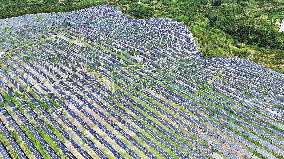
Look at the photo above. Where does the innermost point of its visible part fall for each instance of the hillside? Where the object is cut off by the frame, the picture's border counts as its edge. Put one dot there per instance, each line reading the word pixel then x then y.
pixel 236 28
pixel 93 83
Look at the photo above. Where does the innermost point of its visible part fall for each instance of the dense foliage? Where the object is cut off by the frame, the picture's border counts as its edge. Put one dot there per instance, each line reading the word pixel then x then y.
pixel 242 28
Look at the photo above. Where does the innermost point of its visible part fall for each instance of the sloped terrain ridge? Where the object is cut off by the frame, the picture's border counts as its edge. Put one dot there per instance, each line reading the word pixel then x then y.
pixel 94 84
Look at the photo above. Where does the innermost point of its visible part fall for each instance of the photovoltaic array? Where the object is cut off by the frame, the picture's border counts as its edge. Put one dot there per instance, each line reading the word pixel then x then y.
pixel 94 84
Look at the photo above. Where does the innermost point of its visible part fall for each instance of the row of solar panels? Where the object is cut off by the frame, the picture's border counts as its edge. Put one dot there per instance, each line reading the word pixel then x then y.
pixel 171 94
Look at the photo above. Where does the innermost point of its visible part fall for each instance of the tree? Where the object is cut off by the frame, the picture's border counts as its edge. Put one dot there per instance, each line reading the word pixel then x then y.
pixel 216 2
pixel 141 11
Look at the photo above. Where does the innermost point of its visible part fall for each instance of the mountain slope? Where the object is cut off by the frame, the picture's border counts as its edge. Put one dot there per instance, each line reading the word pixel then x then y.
pixel 94 84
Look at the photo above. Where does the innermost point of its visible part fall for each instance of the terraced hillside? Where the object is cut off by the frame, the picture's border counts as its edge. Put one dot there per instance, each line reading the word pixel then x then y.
pixel 94 84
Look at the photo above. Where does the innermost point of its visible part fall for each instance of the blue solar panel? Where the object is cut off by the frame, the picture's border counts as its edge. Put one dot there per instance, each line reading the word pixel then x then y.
pixel 148 75
pixel 1 98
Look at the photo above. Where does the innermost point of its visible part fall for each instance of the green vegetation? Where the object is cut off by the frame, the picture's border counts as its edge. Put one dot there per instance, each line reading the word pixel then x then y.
pixel 8 146
pixel 232 28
